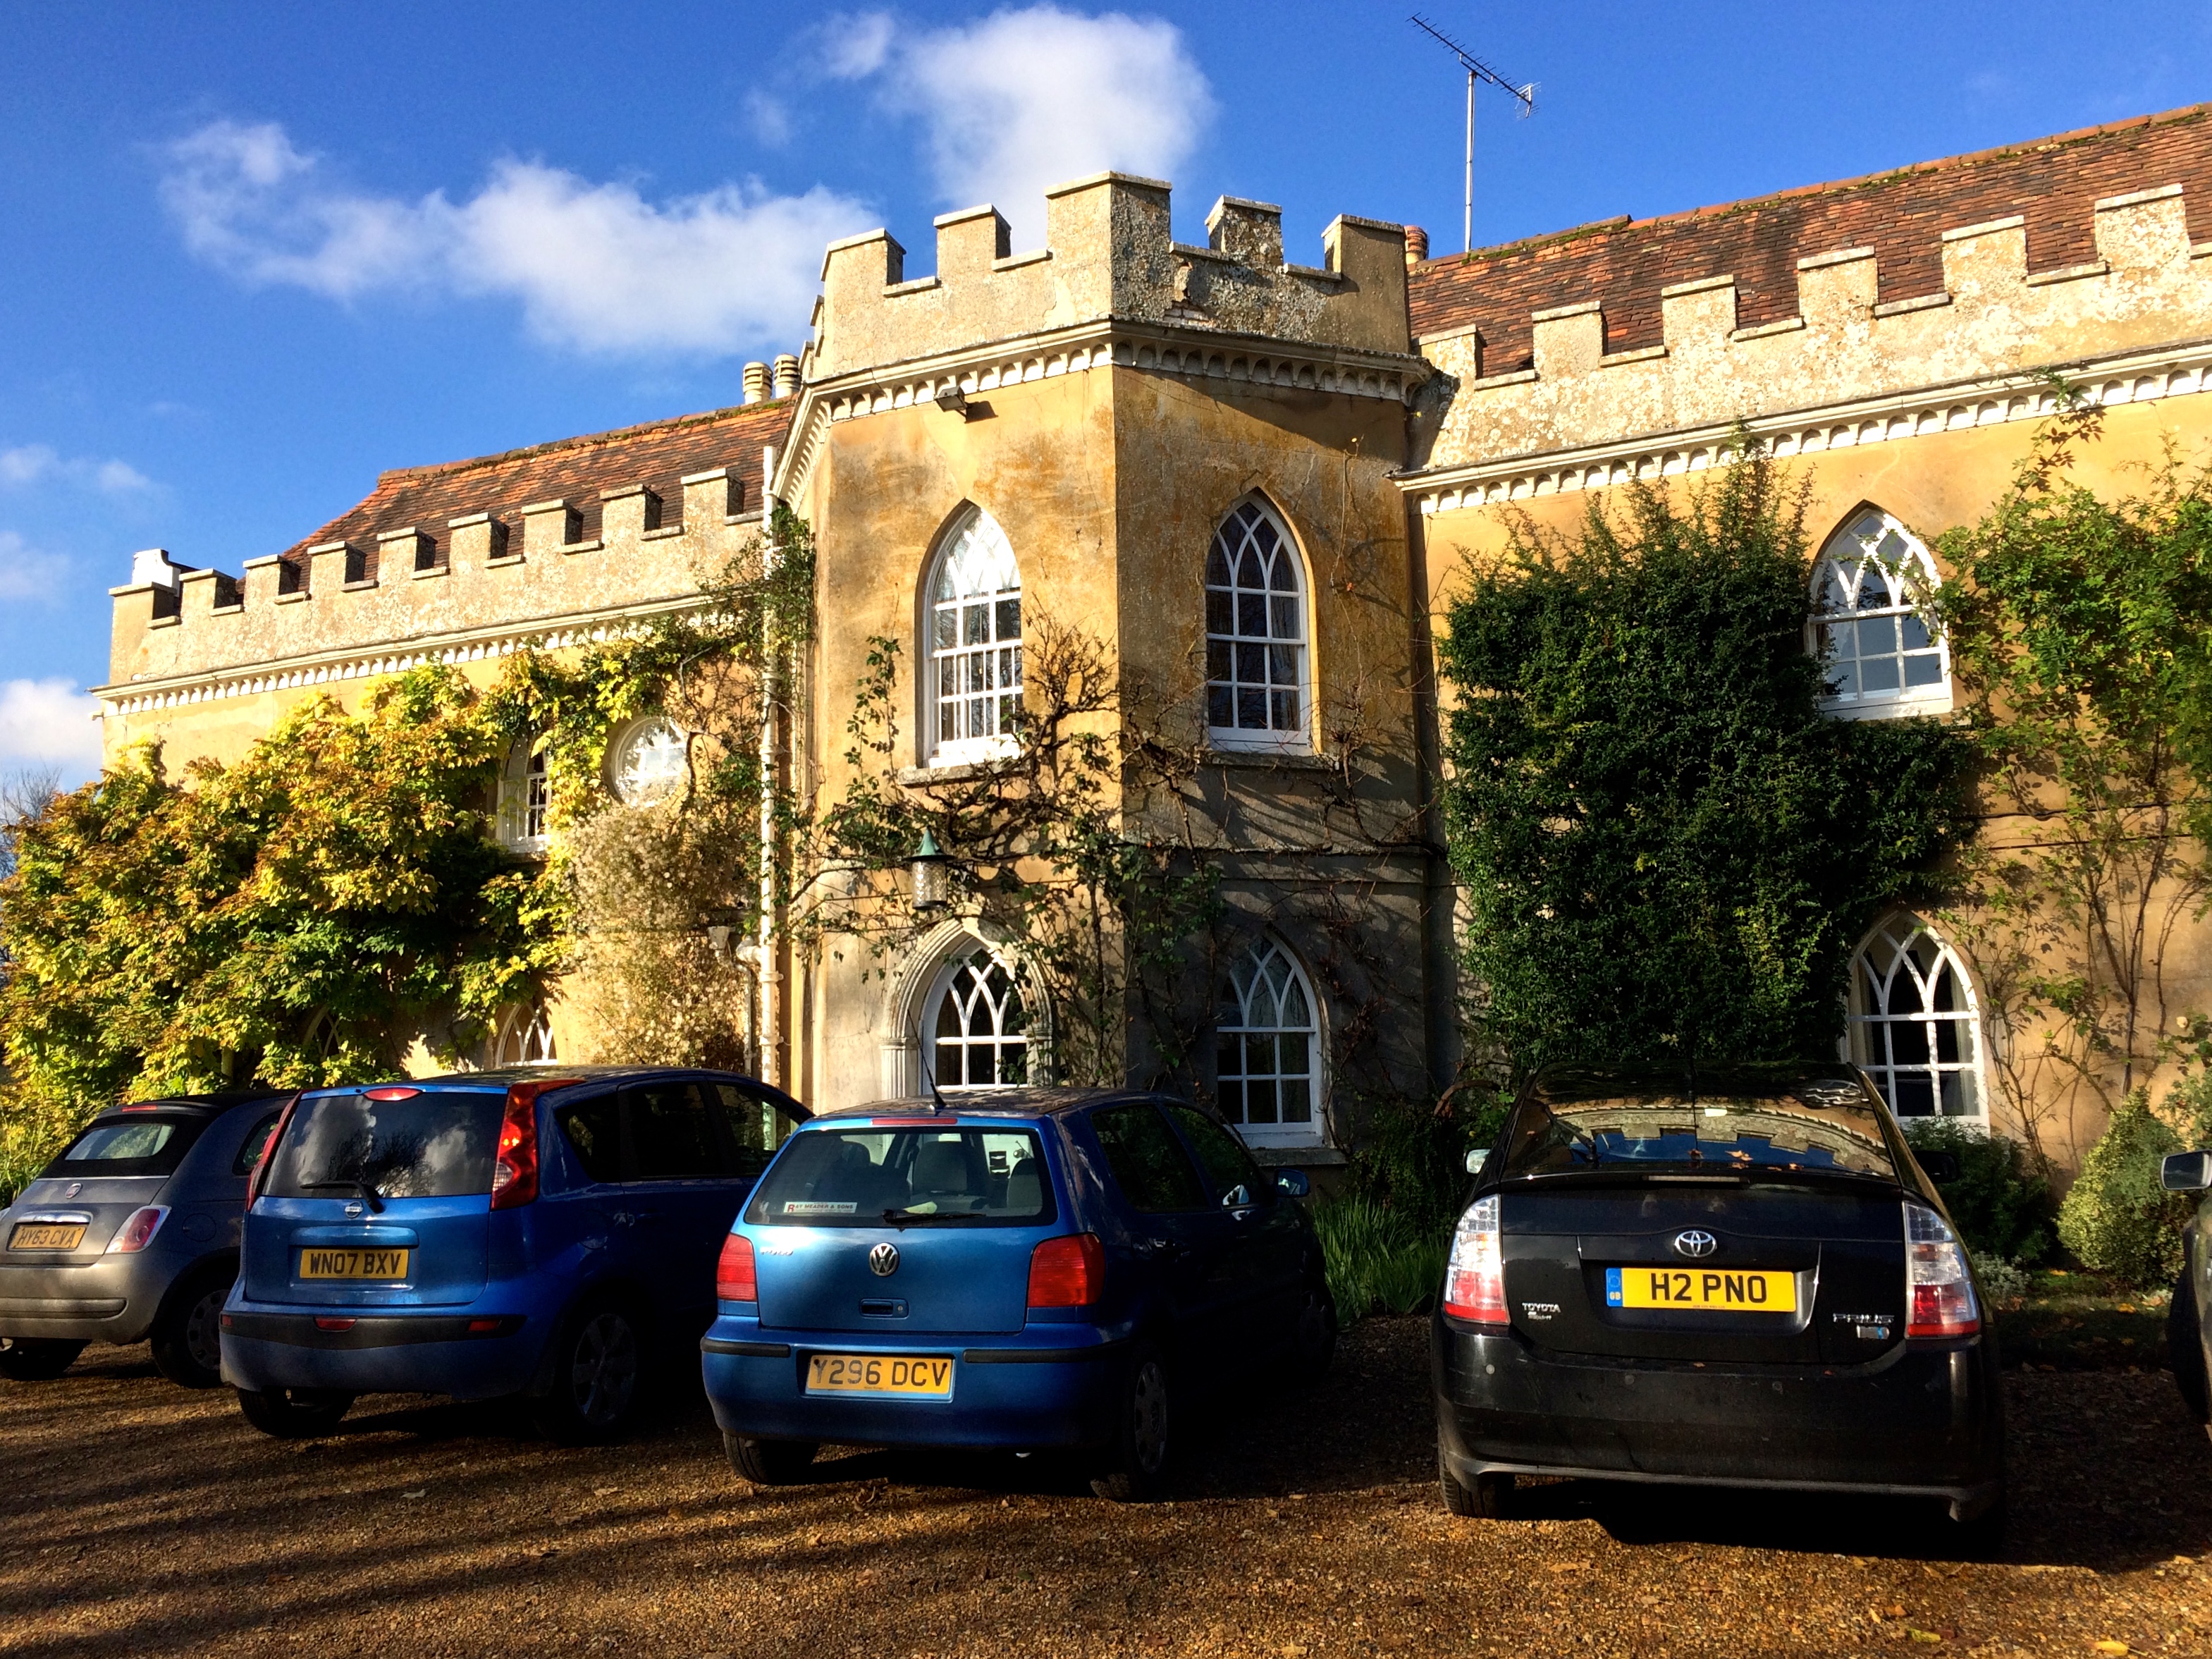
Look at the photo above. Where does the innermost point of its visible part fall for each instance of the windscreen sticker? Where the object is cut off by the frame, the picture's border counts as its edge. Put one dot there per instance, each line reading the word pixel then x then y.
pixel 814 1206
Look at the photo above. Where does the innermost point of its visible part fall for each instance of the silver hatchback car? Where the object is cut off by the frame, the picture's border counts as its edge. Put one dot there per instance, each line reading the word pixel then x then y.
pixel 133 1233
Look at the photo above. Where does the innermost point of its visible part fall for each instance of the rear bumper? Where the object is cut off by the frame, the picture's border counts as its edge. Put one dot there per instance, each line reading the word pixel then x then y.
pixel 1917 1421
pixel 113 1299
pixel 1044 1388
pixel 381 1353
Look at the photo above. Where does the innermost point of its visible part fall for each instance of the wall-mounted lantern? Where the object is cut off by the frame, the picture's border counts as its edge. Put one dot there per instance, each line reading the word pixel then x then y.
pixel 932 875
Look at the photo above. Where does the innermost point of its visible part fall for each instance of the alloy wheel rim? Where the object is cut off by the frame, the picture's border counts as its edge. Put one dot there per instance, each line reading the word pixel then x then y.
pixel 204 1330
pixel 606 1369
pixel 1148 1407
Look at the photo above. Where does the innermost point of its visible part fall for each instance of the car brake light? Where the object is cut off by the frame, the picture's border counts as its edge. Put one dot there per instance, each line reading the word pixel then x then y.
pixel 1474 1282
pixel 328 1324
pixel 514 1164
pixel 737 1278
pixel 1938 1288
pixel 1067 1271
pixel 260 1175
pixel 137 1229
pixel 391 1093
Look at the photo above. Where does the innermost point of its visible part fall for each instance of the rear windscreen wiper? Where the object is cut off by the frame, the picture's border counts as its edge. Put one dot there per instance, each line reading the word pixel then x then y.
pixel 369 1195
pixel 909 1218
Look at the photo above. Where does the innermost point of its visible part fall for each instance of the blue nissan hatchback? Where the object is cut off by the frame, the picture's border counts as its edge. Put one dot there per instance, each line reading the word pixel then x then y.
pixel 494 1233
pixel 1024 1270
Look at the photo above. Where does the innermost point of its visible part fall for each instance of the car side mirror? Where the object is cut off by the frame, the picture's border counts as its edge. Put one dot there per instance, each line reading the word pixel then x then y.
pixel 1293 1183
pixel 1938 1166
pixel 2186 1172
pixel 1476 1159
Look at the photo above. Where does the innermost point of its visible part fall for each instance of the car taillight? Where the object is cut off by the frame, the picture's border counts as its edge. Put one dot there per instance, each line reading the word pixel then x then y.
pixel 1067 1271
pixel 1474 1282
pixel 736 1279
pixel 515 1163
pixel 260 1176
pixel 1938 1288
pixel 137 1229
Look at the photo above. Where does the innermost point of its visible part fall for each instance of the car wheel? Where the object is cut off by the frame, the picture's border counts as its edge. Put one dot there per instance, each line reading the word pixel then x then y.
pixel 1316 1333
pixel 294 1413
pixel 2184 1347
pixel 768 1463
pixel 1485 1500
pixel 598 1379
pixel 1136 1460
pixel 188 1331
pixel 36 1359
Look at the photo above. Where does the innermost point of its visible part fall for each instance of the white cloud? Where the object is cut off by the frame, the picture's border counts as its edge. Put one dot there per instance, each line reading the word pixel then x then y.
pixel 1025 100
pixel 49 722
pixel 595 266
pixel 30 463
pixel 26 572
pixel 770 119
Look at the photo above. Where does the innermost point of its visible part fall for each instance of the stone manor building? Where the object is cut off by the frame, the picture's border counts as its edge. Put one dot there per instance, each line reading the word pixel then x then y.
pixel 1255 480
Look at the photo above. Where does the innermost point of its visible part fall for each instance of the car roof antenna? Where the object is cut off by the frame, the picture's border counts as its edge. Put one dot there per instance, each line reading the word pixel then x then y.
pixel 929 1073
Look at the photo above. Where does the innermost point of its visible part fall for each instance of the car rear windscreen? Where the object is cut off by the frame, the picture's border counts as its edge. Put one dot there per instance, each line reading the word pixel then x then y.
pixel 128 1146
pixel 1828 1126
pixel 863 1176
pixel 438 1144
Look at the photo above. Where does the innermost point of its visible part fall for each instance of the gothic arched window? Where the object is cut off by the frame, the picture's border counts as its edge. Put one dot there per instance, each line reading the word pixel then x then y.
pixel 526 1039
pixel 1914 1024
pixel 972 629
pixel 1267 1052
pixel 1257 690
pixel 526 797
pixel 977 1017
pixel 1869 626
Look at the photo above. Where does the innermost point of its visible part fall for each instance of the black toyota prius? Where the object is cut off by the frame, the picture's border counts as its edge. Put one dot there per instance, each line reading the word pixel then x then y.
pixel 1739 1280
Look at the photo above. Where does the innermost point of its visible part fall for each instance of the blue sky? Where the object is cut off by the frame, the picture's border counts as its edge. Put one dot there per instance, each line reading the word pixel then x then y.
pixel 252 254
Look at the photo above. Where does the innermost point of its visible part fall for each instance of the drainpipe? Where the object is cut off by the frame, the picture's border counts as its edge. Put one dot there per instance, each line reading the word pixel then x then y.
pixel 771 945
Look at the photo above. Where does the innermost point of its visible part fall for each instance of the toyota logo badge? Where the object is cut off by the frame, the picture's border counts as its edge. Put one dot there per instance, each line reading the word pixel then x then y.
pixel 1695 1244
pixel 882 1261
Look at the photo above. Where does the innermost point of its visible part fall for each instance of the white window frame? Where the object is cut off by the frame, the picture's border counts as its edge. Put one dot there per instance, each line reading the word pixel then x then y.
pixel 974 957
pixel 526 1038
pixel 974 550
pixel 526 797
pixel 1870 1043
pixel 1238 531
pixel 1235 997
pixel 1874 546
pixel 659 738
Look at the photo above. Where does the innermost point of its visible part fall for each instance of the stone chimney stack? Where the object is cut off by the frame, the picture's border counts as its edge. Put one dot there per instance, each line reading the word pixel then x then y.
pixel 1417 245
pixel 786 375
pixel 755 383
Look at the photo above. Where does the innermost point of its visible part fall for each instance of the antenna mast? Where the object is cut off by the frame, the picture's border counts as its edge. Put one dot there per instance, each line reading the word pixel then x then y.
pixel 1476 71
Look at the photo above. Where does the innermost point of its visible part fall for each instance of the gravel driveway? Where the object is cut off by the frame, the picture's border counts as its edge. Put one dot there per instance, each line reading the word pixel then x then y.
pixel 138 1519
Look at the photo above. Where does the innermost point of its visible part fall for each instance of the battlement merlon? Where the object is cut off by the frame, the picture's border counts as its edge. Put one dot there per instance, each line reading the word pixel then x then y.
pixel 1108 253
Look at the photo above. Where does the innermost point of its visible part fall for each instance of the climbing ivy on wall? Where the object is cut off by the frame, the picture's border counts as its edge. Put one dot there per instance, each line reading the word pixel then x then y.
pixel 1667 851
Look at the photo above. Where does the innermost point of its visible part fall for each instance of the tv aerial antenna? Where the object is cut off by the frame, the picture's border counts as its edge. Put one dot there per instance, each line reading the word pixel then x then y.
pixel 1525 96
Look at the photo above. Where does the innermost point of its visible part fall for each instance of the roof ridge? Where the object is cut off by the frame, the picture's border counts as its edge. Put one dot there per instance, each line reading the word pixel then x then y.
pixel 579 441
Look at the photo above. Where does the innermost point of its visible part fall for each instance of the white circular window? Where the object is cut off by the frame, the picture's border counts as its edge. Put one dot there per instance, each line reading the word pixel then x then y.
pixel 647 761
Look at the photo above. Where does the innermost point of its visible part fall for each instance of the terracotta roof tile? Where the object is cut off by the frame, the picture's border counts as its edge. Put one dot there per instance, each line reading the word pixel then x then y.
pixel 2055 182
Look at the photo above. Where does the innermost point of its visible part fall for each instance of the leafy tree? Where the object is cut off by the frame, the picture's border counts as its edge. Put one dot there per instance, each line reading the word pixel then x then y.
pixel 1667 851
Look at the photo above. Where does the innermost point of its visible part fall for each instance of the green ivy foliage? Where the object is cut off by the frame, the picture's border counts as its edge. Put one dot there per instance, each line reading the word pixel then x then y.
pixel 1666 850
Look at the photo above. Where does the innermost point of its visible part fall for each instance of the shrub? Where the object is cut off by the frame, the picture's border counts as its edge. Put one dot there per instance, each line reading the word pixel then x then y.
pixel 2000 1277
pixel 1377 1261
pixel 2117 1218
pixel 1999 1206
pixel 1409 1156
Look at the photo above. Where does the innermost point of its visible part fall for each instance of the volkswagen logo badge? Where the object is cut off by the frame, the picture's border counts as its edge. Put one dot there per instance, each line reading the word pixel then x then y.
pixel 882 1261
pixel 1695 1244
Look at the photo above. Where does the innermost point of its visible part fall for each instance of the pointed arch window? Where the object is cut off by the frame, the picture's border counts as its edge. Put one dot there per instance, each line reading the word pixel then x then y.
pixel 973 639
pixel 526 1039
pixel 1267 1048
pixel 1914 1022
pixel 1869 626
pixel 1257 678
pixel 977 1016
pixel 526 797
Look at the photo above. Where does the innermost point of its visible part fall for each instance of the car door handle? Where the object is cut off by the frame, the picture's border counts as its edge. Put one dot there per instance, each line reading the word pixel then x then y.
pixel 1161 1249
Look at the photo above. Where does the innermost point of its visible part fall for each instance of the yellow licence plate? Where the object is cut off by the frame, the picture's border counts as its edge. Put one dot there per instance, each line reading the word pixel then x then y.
pixel 354 1264
pixel 47 1236
pixel 1705 1290
pixel 861 1373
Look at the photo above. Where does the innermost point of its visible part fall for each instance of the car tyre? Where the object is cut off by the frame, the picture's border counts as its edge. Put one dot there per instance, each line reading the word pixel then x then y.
pixel 597 1383
pixel 1317 1335
pixel 770 1462
pixel 36 1359
pixel 1485 1500
pixel 1136 1465
pixel 187 1333
pixel 294 1413
pixel 2184 1347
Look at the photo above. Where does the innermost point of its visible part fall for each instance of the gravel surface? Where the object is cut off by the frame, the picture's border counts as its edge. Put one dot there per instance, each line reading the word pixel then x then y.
pixel 140 1519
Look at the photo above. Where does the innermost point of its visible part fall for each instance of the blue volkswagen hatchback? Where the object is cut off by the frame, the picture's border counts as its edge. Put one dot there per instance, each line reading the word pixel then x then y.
pixel 1024 1270
pixel 493 1233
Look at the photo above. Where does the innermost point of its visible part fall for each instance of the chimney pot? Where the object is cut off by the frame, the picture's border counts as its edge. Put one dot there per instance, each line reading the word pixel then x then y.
pixel 1417 245
pixel 786 375
pixel 755 382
